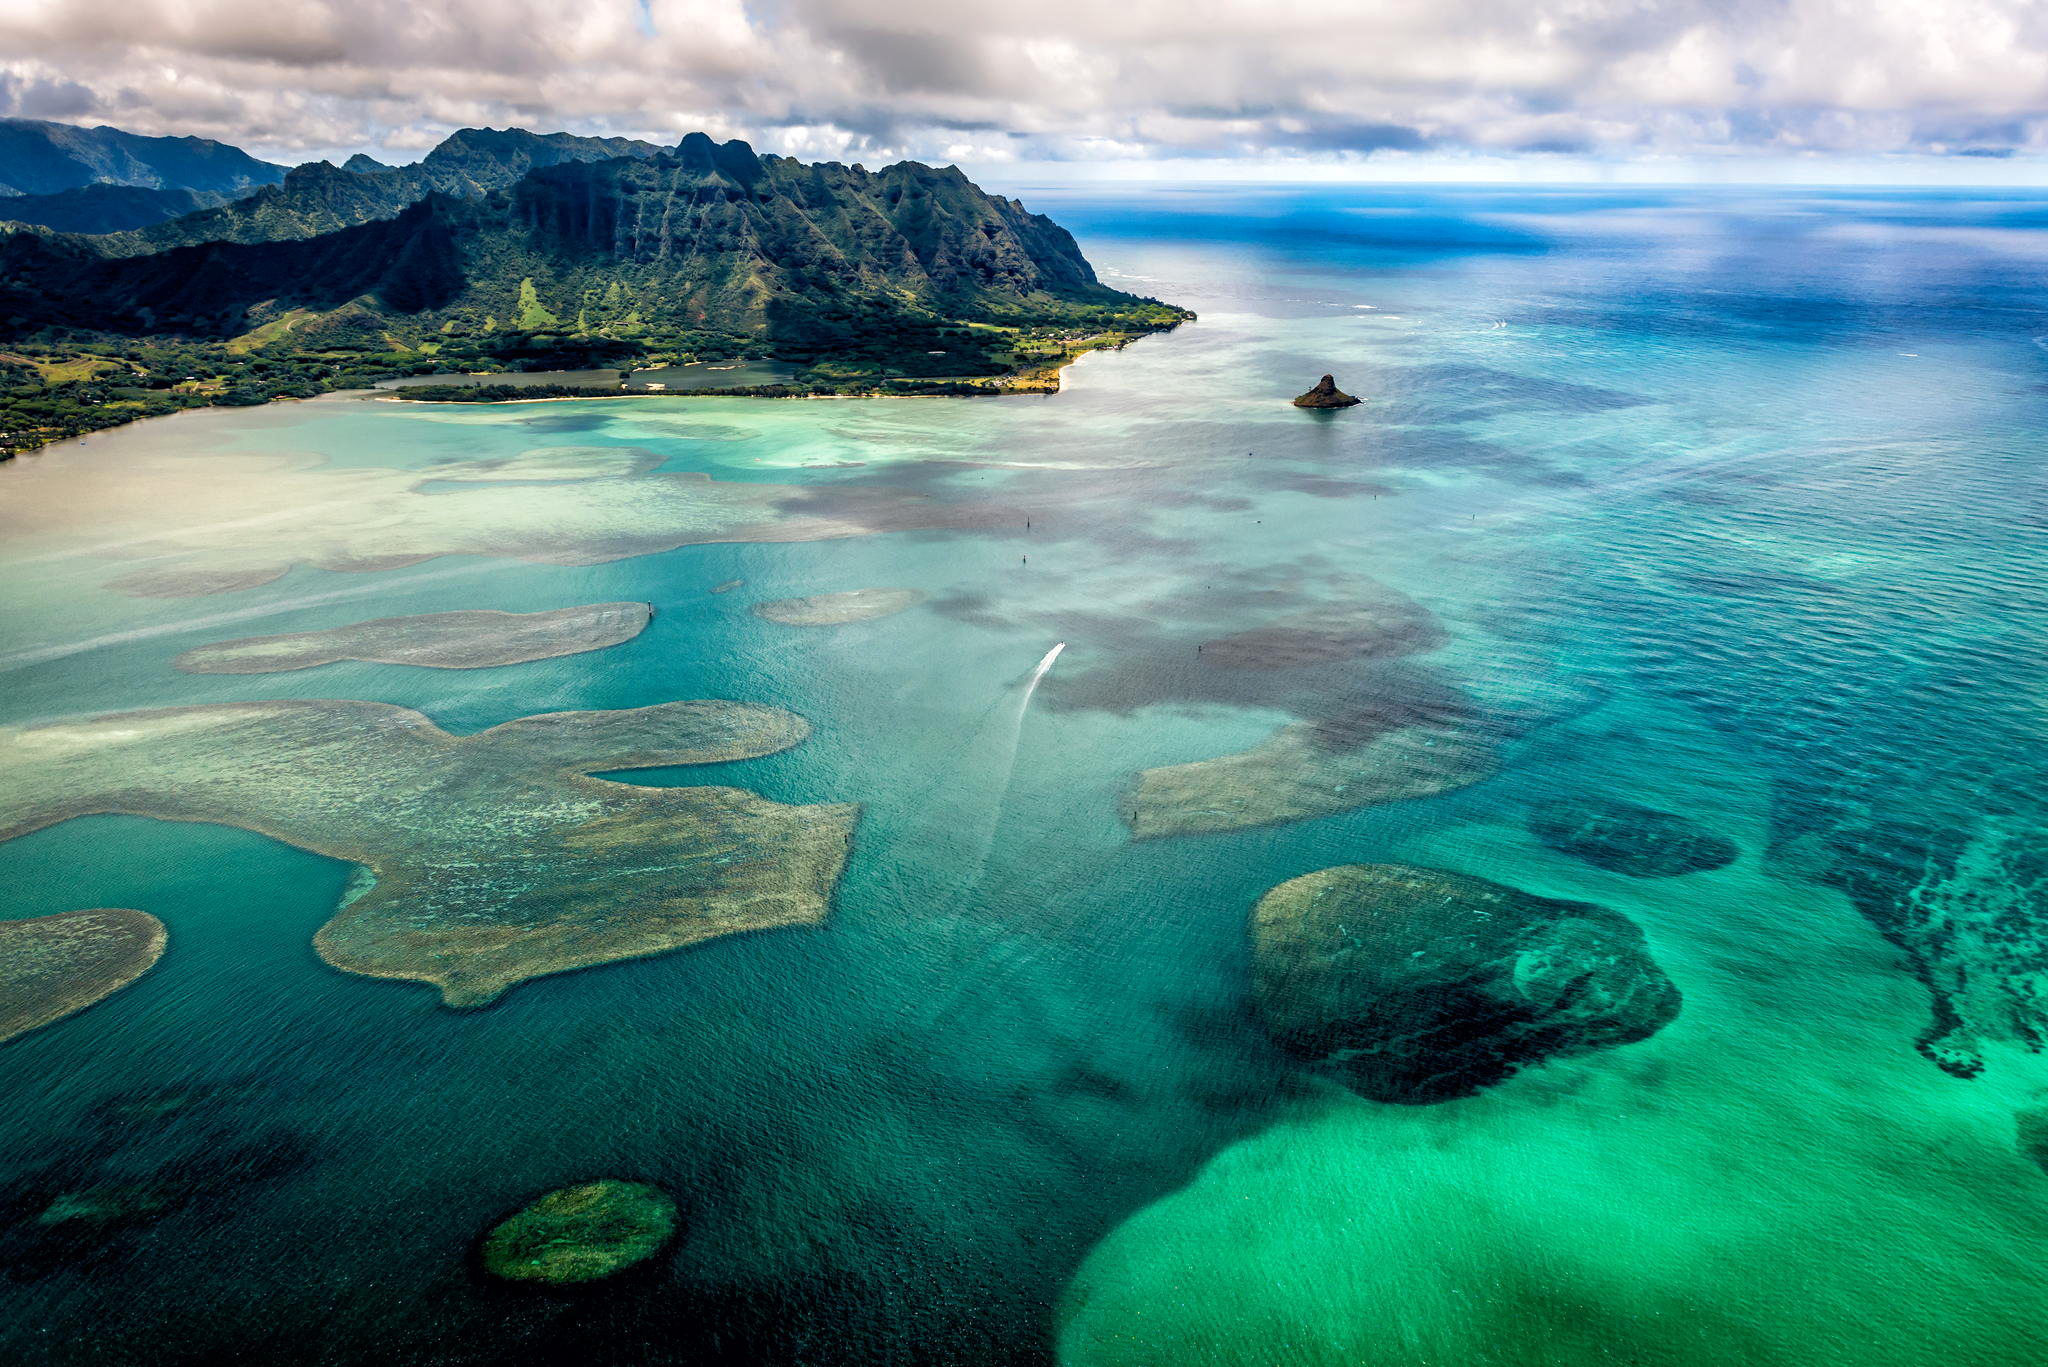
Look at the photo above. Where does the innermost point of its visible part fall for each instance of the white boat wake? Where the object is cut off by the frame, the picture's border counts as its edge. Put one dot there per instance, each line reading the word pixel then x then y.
pixel 1002 758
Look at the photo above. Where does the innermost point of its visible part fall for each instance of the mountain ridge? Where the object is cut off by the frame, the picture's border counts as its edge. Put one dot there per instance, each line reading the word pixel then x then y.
pixel 38 157
pixel 709 237
pixel 106 208
pixel 318 197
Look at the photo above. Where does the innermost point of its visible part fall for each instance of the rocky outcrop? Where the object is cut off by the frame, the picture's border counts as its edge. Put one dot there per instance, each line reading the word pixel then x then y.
pixel 581 1233
pixel 1621 837
pixel 1325 395
pixel 1418 985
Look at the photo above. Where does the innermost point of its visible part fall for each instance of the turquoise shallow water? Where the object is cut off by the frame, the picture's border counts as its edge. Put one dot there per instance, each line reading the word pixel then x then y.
pixel 1729 505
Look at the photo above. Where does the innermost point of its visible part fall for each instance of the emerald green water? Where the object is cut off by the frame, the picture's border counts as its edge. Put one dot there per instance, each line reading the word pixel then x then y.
pixel 1727 506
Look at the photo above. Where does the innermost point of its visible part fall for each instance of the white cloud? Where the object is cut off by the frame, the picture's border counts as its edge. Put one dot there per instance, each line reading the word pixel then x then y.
pixel 1318 79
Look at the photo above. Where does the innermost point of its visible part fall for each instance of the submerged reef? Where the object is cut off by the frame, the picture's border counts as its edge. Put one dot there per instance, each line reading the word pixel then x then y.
pixel 51 966
pixel 548 464
pixel 1964 905
pixel 172 529
pixel 1306 642
pixel 1308 769
pixel 1622 837
pixel 837 609
pixel 487 859
pixel 2031 1133
pixel 94 1196
pixel 1381 626
pixel 1418 985
pixel 1328 648
pixel 581 1233
pixel 473 639
pixel 1325 395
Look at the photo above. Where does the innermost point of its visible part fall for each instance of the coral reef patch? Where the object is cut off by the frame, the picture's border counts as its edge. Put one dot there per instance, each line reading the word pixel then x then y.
pixel 487 859
pixel 52 966
pixel 1963 905
pixel 1309 769
pixel 1622 837
pixel 1419 985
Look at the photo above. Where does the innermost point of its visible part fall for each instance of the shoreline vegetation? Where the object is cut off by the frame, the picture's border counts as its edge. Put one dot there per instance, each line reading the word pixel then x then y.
pixel 1039 377
pixel 54 393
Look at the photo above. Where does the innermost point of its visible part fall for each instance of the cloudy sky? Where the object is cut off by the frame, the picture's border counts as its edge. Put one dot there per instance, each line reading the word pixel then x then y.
pixel 1294 87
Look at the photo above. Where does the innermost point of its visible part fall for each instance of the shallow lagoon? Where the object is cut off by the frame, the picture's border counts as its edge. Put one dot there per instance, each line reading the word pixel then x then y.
pixel 1725 506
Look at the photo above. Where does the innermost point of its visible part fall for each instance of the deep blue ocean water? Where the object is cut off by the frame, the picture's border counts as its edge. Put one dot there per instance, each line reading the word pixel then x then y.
pixel 1729 504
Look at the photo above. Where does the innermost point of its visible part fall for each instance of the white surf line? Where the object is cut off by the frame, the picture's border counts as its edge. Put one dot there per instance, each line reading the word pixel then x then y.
pixel 18 659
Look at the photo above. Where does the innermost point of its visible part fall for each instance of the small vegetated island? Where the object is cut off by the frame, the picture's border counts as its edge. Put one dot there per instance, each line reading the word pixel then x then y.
pixel 512 250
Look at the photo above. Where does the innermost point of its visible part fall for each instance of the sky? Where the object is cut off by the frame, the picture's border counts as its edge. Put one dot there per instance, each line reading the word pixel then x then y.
pixel 1855 91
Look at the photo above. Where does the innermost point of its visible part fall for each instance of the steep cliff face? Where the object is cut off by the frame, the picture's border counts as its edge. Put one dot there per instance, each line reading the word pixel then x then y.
pixel 718 232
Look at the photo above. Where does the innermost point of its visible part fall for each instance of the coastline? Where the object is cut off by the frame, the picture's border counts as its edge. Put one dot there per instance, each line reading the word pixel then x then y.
pixel 1040 382
pixel 1052 385
pixel 386 395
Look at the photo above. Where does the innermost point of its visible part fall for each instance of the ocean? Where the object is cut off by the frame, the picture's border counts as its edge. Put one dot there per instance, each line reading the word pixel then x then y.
pixel 1726 505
